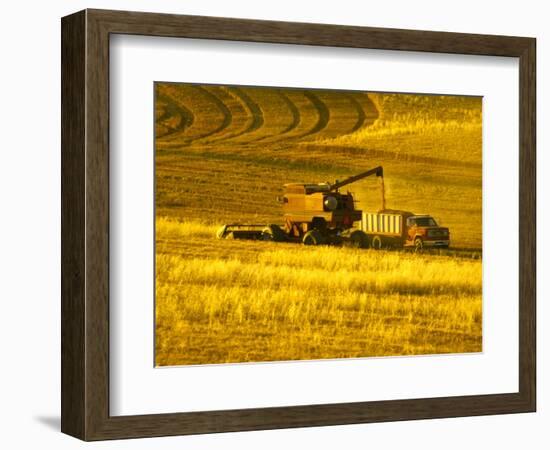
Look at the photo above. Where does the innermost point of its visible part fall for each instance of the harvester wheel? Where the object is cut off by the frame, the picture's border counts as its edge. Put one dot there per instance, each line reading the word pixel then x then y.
pixel 313 237
pixel 376 243
pixel 418 245
pixel 358 239
pixel 273 233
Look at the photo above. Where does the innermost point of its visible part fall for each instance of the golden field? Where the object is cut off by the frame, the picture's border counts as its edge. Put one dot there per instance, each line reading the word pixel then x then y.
pixel 222 156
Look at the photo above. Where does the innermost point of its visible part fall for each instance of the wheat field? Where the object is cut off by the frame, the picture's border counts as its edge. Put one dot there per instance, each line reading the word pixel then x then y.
pixel 222 156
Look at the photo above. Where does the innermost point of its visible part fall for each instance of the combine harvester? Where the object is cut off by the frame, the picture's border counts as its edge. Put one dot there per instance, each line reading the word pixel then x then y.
pixel 319 214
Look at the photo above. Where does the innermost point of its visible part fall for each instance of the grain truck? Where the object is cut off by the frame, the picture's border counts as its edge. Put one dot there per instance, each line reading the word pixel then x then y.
pixel 395 228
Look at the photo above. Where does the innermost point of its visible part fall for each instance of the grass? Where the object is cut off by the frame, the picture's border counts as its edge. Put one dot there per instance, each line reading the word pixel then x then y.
pixel 285 302
pixel 223 155
pixel 411 125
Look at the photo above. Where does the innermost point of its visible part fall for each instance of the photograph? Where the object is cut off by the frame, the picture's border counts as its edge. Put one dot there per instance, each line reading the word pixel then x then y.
pixel 312 224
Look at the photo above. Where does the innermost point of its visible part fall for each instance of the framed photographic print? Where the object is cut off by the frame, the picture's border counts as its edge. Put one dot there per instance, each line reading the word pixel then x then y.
pixel 272 225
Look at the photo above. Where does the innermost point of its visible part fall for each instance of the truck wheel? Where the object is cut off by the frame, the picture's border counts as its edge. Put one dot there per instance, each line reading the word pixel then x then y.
pixel 358 239
pixel 418 245
pixel 376 243
pixel 273 233
pixel 313 237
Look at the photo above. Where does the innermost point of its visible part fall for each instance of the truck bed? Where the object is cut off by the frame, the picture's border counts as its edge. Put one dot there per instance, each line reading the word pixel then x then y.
pixel 384 224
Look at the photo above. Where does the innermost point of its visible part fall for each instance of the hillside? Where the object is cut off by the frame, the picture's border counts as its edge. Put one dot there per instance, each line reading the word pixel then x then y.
pixel 222 156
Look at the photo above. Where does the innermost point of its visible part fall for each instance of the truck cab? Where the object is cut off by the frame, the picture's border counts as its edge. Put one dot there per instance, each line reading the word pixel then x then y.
pixel 422 230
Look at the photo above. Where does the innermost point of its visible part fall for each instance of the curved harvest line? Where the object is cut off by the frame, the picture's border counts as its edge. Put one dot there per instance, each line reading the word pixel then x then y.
pixel 296 118
pixel 361 116
pixel 231 130
pixel 293 110
pixel 322 110
pixel 174 139
pixel 253 108
pixel 227 116
pixel 172 109
pixel 253 111
pixel 372 109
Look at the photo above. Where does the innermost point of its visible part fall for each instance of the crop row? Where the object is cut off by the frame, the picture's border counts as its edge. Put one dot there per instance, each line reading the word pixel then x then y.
pixel 209 114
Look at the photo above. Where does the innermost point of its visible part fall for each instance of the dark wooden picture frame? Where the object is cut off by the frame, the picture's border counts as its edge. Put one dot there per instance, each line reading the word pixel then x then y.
pixel 85 224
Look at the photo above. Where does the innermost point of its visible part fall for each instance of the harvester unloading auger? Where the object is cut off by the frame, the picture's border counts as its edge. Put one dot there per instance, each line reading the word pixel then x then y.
pixel 314 214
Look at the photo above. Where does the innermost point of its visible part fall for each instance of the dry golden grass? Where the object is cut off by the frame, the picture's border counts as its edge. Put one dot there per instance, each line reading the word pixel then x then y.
pixel 410 126
pixel 285 302
pixel 222 156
